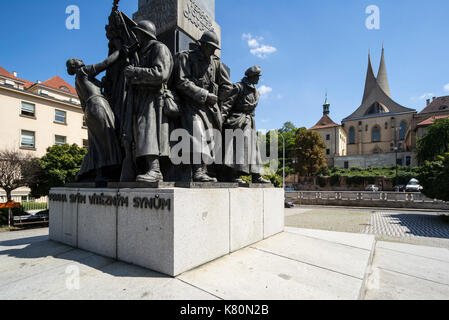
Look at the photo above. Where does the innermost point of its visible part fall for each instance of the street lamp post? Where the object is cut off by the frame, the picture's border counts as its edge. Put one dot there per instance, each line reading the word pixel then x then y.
pixel 283 160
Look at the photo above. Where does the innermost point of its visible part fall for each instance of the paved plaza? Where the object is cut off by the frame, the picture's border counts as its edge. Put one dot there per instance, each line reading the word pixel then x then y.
pixel 409 224
pixel 297 264
pixel 405 226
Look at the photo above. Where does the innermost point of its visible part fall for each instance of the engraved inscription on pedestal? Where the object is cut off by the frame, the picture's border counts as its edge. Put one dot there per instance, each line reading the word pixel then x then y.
pixel 192 16
pixel 163 13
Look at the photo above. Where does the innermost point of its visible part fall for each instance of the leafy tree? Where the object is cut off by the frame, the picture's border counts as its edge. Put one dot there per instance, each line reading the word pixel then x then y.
pixel 59 166
pixel 17 169
pixel 309 152
pixel 288 131
pixel 434 177
pixel 435 142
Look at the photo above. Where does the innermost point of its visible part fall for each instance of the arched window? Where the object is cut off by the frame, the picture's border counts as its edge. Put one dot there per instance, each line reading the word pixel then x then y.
pixel 352 135
pixel 403 130
pixel 376 108
pixel 375 134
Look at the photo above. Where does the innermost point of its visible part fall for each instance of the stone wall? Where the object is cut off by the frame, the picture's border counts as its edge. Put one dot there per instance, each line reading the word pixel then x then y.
pixel 367 199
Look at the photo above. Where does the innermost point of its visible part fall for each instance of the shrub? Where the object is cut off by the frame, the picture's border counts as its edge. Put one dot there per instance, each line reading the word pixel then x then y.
pixel 322 182
pixel 335 180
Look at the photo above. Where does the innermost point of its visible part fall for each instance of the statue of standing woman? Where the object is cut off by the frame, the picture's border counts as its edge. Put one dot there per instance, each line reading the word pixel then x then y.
pixel 104 157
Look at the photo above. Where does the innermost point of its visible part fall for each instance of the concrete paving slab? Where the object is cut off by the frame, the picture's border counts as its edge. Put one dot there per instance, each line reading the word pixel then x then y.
pixel 388 285
pixel 50 283
pixel 256 275
pixel 30 233
pixel 127 282
pixel 350 239
pixel 33 268
pixel 33 252
pixel 422 251
pixel 411 265
pixel 333 256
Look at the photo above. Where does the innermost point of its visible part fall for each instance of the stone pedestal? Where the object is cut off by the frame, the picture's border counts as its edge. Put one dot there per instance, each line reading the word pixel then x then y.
pixel 169 230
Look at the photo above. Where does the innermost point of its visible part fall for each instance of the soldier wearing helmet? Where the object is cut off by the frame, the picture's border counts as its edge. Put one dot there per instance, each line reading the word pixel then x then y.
pixel 239 114
pixel 149 80
pixel 203 83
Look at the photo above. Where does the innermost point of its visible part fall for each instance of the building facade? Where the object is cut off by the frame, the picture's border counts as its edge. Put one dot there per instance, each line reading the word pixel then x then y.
pixel 37 115
pixel 377 130
pixel 333 135
pixel 437 108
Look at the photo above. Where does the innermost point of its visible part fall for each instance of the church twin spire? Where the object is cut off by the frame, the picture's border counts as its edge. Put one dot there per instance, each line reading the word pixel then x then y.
pixel 382 78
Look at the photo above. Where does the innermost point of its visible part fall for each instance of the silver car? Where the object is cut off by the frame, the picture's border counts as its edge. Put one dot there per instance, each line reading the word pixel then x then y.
pixel 413 186
pixel 372 188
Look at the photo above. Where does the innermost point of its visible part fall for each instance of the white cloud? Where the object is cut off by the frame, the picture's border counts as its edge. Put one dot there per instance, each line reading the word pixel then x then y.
pixel 264 91
pixel 446 87
pixel 263 51
pixel 257 48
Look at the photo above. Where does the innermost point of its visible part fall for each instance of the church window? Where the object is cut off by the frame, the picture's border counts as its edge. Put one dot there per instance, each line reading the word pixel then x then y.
pixel 375 134
pixel 403 130
pixel 352 135
pixel 376 108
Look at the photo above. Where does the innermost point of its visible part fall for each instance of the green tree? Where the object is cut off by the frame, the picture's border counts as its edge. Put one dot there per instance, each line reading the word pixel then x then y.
pixel 288 131
pixel 434 177
pixel 59 166
pixel 309 152
pixel 435 142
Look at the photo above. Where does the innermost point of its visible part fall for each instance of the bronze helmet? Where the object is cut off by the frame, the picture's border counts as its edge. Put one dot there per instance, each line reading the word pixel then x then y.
pixel 211 38
pixel 147 27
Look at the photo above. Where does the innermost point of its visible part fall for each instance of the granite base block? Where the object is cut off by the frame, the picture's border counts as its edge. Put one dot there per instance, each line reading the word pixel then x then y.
pixel 171 230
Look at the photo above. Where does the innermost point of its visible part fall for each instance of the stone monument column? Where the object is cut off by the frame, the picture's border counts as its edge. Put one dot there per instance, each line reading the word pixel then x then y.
pixel 179 22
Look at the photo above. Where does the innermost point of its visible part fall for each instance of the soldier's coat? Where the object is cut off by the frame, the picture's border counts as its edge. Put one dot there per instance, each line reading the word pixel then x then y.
pixel 152 127
pixel 195 77
pixel 239 111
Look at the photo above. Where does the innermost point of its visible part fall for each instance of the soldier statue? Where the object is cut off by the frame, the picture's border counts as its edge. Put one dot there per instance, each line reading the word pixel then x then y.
pixel 203 83
pixel 149 80
pixel 239 112
pixel 104 152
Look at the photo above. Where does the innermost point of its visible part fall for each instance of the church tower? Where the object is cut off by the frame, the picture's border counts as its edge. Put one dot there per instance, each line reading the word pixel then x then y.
pixel 326 107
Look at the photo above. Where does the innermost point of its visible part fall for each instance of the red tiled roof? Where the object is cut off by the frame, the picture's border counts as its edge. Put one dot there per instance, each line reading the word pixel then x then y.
pixel 325 122
pixel 6 74
pixel 58 83
pixel 431 120
pixel 55 82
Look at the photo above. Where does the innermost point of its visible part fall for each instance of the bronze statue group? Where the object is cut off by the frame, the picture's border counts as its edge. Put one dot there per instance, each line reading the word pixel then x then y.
pixel 147 93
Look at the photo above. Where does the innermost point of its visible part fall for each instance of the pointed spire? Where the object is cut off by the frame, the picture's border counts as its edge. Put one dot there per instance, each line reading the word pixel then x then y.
pixel 371 81
pixel 382 77
pixel 326 106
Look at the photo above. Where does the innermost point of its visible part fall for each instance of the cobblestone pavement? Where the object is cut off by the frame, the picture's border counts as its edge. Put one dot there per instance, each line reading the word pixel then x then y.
pixel 407 225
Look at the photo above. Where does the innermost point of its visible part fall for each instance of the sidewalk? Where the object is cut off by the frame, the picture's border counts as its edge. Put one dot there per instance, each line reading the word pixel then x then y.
pixel 295 265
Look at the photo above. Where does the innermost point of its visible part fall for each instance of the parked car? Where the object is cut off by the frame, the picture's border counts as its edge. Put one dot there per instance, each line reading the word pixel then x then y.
pixel 372 188
pixel 289 189
pixel 400 188
pixel 289 204
pixel 413 186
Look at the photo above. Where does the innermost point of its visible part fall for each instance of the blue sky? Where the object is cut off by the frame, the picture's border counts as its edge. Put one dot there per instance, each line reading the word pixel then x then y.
pixel 314 45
